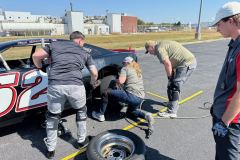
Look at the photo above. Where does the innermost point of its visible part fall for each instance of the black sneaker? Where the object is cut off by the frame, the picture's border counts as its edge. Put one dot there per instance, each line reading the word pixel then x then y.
pixel 50 154
pixel 85 143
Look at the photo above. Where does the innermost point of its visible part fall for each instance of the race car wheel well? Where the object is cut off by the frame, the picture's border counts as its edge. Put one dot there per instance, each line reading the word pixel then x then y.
pixel 107 71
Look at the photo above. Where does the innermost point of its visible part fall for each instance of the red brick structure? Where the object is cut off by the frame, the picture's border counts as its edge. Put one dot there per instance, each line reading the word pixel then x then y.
pixel 129 24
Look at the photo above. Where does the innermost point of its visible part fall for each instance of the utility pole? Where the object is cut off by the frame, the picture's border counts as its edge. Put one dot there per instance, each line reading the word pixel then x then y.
pixel 71 6
pixel 198 29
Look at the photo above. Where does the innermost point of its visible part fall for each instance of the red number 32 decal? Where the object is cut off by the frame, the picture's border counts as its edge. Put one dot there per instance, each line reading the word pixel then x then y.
pixel 33 95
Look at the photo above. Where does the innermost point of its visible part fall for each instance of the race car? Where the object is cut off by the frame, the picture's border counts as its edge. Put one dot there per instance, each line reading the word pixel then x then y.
pixel 23 87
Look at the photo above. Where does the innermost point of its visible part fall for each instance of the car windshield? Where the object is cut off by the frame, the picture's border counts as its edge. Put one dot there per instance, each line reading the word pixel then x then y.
pixel 94 50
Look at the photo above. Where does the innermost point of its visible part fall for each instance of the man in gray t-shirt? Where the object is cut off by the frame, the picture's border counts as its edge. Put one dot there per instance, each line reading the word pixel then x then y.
pixel 68 58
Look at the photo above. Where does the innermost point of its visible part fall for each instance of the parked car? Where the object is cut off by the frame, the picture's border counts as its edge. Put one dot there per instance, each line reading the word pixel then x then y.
pixel 23 88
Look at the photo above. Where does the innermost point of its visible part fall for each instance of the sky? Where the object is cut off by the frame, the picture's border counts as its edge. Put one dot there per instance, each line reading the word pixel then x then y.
pixel 157 11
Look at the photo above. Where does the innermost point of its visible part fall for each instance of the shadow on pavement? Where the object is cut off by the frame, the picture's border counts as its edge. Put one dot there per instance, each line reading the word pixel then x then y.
pixel 155 154
pixel 148 105
pixel 30 129
pixel 151 154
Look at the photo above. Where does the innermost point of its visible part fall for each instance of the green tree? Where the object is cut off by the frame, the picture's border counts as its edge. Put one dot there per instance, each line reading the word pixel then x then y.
pixel 140 22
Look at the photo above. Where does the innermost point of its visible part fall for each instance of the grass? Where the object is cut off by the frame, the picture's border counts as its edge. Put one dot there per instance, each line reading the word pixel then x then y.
pixel 134 41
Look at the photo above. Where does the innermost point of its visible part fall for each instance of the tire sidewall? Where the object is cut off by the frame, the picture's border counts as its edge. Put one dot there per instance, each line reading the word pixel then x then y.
pixel 138 153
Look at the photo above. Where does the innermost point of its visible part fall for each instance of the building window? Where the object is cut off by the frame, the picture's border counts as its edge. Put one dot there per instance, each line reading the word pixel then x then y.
pixel 18 17
pixel 10 17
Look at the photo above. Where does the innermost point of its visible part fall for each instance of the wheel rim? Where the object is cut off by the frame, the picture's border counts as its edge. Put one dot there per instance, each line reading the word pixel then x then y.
pixel 115 147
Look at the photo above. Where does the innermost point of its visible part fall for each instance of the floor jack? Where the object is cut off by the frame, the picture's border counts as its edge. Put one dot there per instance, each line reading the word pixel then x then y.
pixel 63 131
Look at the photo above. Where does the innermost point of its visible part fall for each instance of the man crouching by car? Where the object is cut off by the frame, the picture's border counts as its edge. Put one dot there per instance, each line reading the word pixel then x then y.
pixel 68 58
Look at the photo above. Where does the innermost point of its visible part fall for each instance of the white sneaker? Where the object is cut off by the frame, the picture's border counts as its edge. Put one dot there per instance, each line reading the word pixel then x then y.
pixel 98 116
pixel 149 118
pixel 167 114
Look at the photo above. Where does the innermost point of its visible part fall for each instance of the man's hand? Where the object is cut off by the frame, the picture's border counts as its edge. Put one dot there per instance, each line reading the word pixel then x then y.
pixel 95 84
pixel 220 129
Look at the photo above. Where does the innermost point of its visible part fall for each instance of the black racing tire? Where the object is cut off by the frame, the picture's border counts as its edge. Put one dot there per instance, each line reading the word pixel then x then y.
pixel 105 83
pixel 113 106
pixel 116 144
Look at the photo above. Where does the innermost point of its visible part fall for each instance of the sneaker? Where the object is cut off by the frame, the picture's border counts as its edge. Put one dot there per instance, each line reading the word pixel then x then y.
pixel 149 118
pixel 50 154
pixel 98 116
pixel 84 143
pixel 167 114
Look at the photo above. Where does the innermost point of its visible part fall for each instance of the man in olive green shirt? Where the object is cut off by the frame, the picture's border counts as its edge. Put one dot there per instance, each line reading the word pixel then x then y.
pixel 179 64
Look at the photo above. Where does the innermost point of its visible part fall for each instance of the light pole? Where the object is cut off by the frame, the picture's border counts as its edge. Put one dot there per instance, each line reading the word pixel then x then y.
pixel 198 29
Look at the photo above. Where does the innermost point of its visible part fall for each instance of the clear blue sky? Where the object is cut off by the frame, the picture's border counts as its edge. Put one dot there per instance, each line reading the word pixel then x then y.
pixel 157 11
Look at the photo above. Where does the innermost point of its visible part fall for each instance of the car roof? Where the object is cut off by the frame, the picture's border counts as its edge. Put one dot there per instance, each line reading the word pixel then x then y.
pixel 26 42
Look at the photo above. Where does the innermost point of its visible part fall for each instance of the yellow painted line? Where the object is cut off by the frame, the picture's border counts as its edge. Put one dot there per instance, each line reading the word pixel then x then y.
pixel 162 110
pixel 190 97
pixel 139 122
pixel 156 95
pixel 75 154
pixel 142 120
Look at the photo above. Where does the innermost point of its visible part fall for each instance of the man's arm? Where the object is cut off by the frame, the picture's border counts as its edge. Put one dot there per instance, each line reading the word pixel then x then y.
pixel 38 56
pixel 168 67
pixel 233 108
pixel 94 73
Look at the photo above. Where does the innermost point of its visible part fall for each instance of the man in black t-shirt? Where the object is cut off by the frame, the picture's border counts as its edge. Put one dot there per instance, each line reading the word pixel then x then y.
pixel 68 58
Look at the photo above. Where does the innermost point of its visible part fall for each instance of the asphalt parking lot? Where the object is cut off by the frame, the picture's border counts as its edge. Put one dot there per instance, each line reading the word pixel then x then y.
pixel 181 139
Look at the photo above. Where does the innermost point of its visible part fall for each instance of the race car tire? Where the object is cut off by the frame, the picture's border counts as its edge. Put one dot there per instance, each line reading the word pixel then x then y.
pixel 105 83
pixel 116 144
pixel 113 106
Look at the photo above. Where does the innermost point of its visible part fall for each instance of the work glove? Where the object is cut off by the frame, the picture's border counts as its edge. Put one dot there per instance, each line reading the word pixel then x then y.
pixel 220 129
pixel 171 78
pixel 170 81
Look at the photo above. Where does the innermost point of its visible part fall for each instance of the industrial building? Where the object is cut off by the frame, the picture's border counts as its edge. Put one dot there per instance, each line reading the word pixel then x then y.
pixel 13 23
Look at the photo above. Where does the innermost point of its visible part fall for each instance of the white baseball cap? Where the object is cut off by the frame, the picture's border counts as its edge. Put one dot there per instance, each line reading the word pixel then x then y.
pixel 128 59
pixel 227 10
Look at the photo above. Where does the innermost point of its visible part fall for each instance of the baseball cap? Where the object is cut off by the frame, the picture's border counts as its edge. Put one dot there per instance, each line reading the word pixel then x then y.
pixel 147 44
pixel 227 10
pixel 128 59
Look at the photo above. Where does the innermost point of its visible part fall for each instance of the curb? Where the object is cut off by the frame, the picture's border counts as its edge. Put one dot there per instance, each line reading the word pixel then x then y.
pixel 186 43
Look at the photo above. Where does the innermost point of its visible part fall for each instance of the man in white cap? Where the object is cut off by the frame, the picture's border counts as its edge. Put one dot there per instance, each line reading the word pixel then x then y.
pixel 179 63
pixel 226 106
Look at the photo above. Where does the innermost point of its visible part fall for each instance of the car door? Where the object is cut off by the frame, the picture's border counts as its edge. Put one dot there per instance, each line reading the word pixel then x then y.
pixel 22 87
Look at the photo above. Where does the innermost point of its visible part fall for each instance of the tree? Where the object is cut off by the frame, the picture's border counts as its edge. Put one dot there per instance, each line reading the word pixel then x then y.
pixel 140 22
pixel 178 24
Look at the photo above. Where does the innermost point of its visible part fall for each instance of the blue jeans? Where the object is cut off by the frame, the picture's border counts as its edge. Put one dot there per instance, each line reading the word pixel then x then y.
pixel 228 147
pixel 125 97
pixel 180 77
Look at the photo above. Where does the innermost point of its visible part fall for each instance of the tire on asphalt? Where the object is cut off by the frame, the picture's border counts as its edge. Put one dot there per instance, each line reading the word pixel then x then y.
pixel 116 144
pixel 113 106
pixel 105 83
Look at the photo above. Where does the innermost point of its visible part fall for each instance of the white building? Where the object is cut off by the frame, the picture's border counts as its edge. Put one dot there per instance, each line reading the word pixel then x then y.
pixel 96 29
pixel 74 21
pixel 24 23
pixel 114 22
